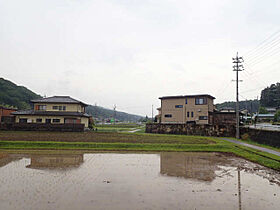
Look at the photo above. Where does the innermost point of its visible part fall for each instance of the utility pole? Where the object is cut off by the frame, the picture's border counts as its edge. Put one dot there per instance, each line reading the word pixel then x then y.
pixel 237 67
pixel 152 113
pixel 239 188
pixel 115 113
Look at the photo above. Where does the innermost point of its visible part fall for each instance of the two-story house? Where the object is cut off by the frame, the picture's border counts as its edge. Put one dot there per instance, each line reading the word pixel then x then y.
pixel 187 108
pixel 55 110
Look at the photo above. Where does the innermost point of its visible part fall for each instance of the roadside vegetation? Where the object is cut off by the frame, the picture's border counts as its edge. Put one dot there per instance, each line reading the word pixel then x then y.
pixel 113 141
pixel 249 141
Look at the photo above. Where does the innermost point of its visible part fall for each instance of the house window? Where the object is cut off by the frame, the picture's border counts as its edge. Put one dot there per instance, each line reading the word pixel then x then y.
pixel 178 106
pixel 203 117
pixel 59 108
pixel 23 120
pixel 48 120
pixel 38 120
pixel 188 114
pixel 168 115
pixel 72 120
pixel 56 120
pixel 40 107
pixel 186 101
pixel 200 101
pixel 192 114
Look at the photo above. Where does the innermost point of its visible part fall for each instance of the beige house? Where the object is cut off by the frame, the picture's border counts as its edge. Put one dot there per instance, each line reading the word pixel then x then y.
pixel 54 110
pixel 186 109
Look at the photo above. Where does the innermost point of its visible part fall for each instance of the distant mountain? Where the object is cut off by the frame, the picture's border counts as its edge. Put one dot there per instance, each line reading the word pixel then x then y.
pixel 15 96
pixel 12 95
pixel 251 105
pixel 103 113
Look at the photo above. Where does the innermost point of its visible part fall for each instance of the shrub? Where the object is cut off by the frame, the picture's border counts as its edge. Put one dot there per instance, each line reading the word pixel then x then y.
pixel 245 136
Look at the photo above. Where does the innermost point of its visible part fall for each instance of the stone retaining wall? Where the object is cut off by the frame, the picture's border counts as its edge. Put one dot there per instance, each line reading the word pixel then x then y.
pixel 191 129
pixel 267 137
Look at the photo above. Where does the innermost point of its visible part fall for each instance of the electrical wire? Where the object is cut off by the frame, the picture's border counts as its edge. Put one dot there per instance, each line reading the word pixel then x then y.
pixel 269 46
pixel 259 45
pixel 268 56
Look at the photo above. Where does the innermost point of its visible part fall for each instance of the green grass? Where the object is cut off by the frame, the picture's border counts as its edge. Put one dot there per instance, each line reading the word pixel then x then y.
pixel 261 145
pixel 141 130
pixel 112 129
pixel 249 141
pixel 117 127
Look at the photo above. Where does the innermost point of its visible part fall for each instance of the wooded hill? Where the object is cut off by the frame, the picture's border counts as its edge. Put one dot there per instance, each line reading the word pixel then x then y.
pixel 270 96
pixel 12 95
pixel 251 105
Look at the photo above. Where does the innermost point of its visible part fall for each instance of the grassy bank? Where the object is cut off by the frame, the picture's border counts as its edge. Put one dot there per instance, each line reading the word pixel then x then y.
pixel 249 141
pixel 131 142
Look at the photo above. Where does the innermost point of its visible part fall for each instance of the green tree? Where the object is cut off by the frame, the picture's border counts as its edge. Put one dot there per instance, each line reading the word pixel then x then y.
pixel 270 96
pixel 263 110
pixel 277 116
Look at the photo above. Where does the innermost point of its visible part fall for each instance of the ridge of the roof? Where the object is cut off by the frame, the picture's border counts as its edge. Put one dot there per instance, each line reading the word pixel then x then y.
pixel 58 99
pixel 184 96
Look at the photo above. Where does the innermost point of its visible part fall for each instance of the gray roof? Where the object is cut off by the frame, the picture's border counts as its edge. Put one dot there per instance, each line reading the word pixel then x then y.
pixel 58 99
pixel 227 108
pixel 50 113
pixel 190 96
pixel 271 108
pixel 7 108
pixel 264 115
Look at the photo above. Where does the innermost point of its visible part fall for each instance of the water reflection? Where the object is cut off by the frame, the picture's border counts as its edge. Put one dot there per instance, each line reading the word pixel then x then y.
pixel 55 161
pixel 6 158
pixel 199 166
pixel 111 181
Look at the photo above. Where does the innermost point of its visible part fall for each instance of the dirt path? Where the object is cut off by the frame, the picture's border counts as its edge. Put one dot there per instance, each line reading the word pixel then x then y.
pixel 133 131
pixel 253 146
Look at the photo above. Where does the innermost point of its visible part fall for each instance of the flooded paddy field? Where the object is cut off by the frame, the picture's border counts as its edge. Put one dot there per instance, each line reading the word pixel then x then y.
pixel 167 180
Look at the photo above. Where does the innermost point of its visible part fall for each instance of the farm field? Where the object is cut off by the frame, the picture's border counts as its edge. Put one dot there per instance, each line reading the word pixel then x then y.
pixel 121 141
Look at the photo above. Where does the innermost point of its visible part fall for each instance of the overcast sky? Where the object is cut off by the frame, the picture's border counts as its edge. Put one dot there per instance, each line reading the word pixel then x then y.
pixel 130 52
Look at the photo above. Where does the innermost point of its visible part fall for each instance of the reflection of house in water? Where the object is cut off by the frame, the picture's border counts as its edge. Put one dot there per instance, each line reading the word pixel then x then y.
pixel 56 161
pixel 200 166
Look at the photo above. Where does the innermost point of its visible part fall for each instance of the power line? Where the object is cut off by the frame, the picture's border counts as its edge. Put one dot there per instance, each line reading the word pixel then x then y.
pixel 269 46
pixel 268 55
pixel 251 90
pixel 250 75
pixel 269 66
pixel 253 79
pixel 259 45
pixel 115 113
pixel 223 88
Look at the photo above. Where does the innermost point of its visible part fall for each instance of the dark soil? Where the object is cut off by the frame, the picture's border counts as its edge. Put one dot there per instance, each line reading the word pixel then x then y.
pixel 101 137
